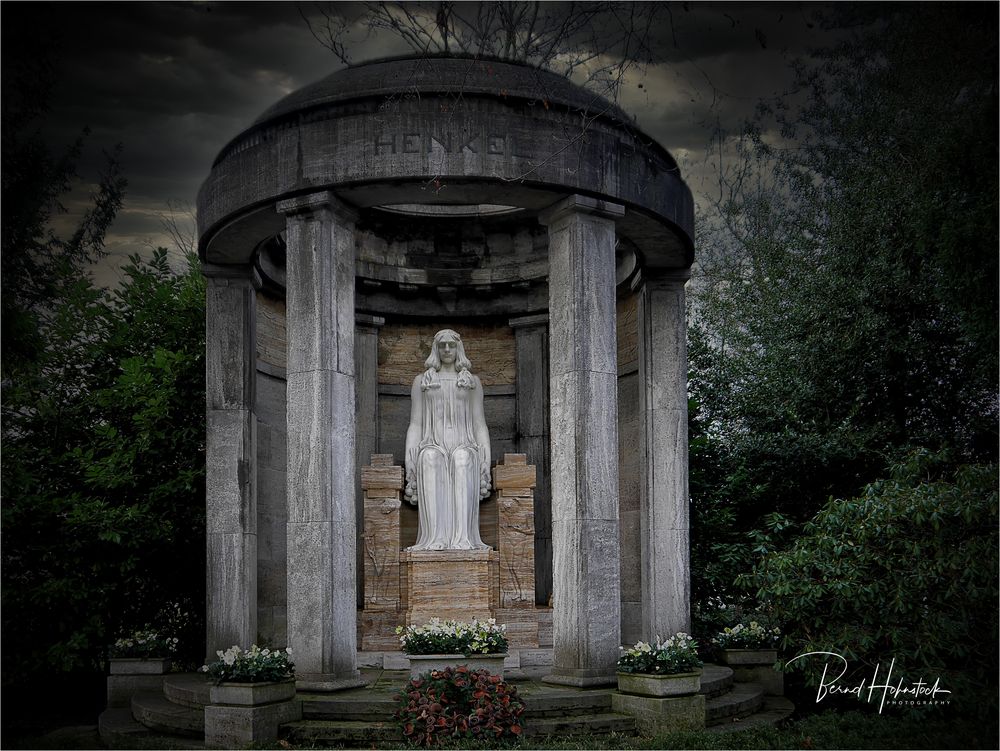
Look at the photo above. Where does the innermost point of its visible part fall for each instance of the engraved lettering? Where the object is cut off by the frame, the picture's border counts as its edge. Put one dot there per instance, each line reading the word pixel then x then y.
pixel 494 144
pixel 411 143
pixel 385 141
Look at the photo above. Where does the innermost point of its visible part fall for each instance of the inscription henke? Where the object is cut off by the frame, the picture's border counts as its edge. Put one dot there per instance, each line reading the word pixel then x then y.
pixel 414 142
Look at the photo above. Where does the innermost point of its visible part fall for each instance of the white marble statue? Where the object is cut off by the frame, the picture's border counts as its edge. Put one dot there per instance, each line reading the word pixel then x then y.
pixel 447 449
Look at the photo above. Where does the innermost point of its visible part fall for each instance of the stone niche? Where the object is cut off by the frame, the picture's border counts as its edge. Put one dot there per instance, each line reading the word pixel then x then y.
pixel 403 587
pixel 397 359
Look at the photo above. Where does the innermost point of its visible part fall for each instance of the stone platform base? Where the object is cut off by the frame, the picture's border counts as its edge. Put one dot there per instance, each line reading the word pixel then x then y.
pixel 654 716
pixel 765 676
pixel 450 584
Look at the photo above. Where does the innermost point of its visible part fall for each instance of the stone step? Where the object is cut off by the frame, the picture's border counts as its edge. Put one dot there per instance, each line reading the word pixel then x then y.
pixel 716 680
pixel 187 689
pixel 117 724
pixel 340 732
pixel 118 729
pixel 566 703
pixel 604 723
pixel 354 705
pixel 157 713
pixel 741 700
pixel 774 710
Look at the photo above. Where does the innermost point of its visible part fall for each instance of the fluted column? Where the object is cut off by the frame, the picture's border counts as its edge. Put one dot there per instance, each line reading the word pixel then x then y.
pixel 583 397
pixel 663 511
pixel 322 529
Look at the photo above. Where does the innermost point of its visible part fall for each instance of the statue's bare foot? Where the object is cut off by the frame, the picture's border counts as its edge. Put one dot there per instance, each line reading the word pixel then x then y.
pixel 436 546
pixel 463 546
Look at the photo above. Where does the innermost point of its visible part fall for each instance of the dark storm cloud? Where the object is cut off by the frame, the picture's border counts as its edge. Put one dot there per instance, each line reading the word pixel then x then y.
pixel 173 82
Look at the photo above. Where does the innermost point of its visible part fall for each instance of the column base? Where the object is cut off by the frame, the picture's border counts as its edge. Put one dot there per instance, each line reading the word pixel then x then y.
pixel 580 678
pixel 328 682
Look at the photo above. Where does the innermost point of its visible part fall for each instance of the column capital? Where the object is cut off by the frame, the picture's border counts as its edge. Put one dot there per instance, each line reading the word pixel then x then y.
pixel 539 319
pixel 577 204
pixel 313 202
pixel 660 278
pixel 231 275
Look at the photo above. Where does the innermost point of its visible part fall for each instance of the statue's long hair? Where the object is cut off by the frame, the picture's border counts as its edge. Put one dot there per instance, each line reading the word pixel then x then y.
pixel 434 361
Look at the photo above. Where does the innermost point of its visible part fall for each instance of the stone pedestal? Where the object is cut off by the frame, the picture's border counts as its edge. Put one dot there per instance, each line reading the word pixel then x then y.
pixel 411 587
pixel 670 715
pixel 459 585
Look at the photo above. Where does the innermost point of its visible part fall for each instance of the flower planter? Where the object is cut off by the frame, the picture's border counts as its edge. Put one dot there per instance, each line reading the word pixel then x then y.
pixel 659 686
pixel 420 664
pixel 253 694
pixel 759 656
pixel 140 665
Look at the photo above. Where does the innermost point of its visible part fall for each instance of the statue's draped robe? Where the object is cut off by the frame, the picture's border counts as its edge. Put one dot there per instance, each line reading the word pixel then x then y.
pixel 448 464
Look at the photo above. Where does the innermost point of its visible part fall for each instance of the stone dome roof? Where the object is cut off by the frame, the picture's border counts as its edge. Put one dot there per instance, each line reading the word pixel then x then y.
pixel 443 75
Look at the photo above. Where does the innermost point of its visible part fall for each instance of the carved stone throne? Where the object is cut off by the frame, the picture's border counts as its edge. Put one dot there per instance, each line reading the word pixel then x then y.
pixel 403 587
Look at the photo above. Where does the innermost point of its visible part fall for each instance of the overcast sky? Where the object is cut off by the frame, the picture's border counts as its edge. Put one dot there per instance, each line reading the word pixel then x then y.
pixel 173 82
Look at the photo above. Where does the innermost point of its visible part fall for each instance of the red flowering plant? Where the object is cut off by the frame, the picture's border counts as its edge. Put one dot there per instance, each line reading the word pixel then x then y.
pixel 457 703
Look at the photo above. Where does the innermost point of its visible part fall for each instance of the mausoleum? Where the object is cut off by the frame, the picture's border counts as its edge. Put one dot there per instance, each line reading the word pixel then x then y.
pixel 349 223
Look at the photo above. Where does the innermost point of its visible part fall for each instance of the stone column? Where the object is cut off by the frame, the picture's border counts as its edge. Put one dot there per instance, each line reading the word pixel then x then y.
pixel 366 330
pixel 531 343
pixel 663 510
pixel 322 528
pixel 583 394
pixel 230 457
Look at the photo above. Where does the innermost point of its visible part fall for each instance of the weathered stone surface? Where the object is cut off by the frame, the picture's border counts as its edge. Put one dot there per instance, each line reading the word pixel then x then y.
pixel 320 446
pixel 389 478
pixel 238 727
pixel 584 415
pixel 252 694
pixel 378 629
pixel 321 603
pixel 664 489
pixel 380 547
pixel 660 686
pixel 522 626
pixel 655 716
pixel 272 345
pixel 586 621
pixel 231 573
pixel 471 591
pixel 403 348
pixel 627 332
pixel 230 457
pixel 516 536
pixel 514 476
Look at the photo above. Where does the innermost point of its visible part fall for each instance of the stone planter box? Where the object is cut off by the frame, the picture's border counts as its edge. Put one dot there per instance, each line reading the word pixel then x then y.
pixel 749 656
pixel 140 665
pixel 420 664
pixel 659 686
pixel 756 666
pixel 253 694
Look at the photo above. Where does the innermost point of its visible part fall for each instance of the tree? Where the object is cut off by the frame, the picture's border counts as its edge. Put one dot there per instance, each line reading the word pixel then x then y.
pixel 102 465
pixel 852 312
